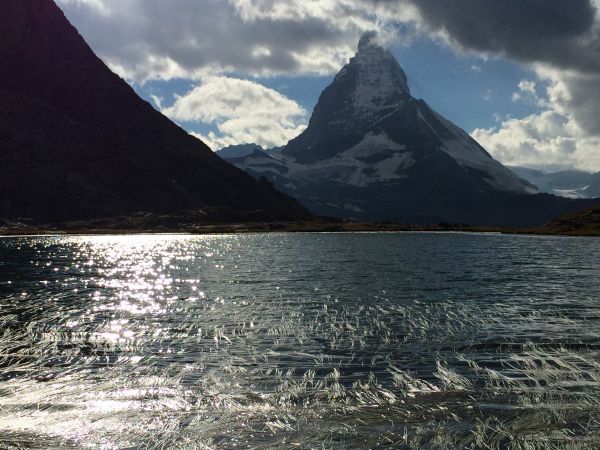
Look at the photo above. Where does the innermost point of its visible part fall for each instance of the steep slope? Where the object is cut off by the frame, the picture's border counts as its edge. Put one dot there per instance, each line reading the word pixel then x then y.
pixel 371 151
pixel 77 142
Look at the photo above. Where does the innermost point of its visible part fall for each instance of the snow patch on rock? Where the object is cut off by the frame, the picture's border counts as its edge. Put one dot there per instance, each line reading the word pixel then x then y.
pixel 351 167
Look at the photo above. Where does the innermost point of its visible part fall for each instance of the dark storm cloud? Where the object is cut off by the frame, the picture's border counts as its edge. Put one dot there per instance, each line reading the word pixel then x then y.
pixel 138 36
pixel 558 32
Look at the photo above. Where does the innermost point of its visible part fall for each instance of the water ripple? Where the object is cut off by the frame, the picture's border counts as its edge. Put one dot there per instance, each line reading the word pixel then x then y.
pixel 308 340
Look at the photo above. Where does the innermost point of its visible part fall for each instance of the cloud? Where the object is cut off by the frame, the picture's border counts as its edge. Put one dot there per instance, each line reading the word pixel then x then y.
pixel 562 34
pixel 157 39
pixel 577 94
pixel 243 111
pixel 157 101
pixel 547 140
pixel 527 93
pixel 561 136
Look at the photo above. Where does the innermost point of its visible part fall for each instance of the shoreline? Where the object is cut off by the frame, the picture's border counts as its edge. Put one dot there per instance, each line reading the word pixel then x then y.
pixel 314 226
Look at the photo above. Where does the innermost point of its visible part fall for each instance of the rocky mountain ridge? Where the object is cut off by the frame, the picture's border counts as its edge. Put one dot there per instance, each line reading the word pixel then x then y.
pixel 76 141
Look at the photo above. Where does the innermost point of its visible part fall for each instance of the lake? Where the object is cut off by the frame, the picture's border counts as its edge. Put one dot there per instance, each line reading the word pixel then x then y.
pixel 346 341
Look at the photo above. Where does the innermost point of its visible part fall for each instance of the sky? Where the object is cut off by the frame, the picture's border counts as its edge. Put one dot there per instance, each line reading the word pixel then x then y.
pixel 521 76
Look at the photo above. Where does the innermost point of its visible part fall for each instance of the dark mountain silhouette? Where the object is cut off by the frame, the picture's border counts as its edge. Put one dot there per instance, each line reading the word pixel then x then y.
pixel 586 222
pixel 77 142
pixel 372 151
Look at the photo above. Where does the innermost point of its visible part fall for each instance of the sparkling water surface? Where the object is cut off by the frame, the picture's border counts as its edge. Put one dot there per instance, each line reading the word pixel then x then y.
pixel 349 341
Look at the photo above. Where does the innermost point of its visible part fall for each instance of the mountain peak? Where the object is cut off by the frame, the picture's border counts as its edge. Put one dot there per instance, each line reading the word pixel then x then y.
pixel 377 67
pixel 370 97
pixel 364 96
pixel 368 39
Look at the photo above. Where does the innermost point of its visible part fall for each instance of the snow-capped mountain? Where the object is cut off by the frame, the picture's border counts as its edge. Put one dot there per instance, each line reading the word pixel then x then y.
pixel 565 183
pixel 372 151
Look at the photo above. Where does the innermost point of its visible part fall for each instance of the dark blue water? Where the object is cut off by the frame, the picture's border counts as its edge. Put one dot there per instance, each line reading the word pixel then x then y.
pixel 395 340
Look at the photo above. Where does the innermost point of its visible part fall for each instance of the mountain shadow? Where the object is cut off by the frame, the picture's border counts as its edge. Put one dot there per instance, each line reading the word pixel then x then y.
pixel 76 142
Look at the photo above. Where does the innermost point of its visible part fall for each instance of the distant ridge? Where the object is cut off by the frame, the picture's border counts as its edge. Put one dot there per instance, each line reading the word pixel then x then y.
pixel 77 142
pixel 565 183
pixel 238 151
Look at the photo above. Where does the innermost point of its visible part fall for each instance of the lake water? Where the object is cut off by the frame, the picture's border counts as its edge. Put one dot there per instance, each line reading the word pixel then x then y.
pixel 382 340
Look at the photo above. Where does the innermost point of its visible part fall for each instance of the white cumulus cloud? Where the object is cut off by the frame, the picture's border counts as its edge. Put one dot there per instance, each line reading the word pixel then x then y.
pixel 563 135
pixel 243 111
pixel 527 93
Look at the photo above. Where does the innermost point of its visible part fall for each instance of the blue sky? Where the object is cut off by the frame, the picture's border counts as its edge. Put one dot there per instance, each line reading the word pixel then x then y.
pixel 522 76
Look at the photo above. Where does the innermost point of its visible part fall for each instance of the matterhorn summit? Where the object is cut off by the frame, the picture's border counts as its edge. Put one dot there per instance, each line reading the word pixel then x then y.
pixel 372 151
pixel 371 88
pixel 379 83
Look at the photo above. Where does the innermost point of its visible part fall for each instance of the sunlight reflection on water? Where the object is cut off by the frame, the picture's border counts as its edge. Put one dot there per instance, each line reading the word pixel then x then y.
pixel 307 340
